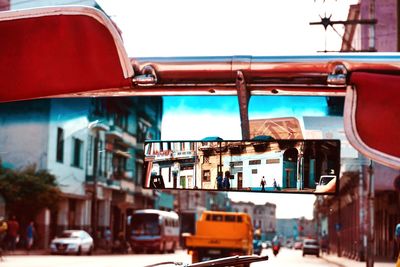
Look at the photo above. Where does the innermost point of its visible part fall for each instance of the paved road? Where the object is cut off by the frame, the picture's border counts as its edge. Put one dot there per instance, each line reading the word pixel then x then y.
pixel 285 258
pixel 292 258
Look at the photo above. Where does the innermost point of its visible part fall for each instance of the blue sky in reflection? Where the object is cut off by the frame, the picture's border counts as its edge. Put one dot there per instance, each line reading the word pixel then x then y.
pixel 202 116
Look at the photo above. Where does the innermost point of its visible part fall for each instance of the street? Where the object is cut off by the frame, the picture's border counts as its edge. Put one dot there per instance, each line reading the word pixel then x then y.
pixel 290 257
pixel 286 257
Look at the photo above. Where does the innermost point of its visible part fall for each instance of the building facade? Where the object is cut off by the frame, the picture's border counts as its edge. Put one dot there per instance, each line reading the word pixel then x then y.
pixel 262 216
pixel 345 217
pixel 290 230
pixel 90 145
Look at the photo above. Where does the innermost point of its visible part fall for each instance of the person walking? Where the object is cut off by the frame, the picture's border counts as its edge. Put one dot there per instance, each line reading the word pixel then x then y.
pixel 30 235
pixel 226 184
pixel 108 238
pixel 219 181
pixel 275 185
pixel 12 233
pixel 263 182
pixel 3 234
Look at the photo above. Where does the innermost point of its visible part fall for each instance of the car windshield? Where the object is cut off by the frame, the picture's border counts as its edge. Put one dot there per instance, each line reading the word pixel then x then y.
pixel 79 162
pixel 311 243
pixel 69 235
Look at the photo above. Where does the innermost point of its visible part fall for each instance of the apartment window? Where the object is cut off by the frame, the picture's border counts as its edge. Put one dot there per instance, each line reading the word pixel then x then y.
pixel 206 159
pixel 206 176
pixel 90 150
pixel 77 152
pixel 121 120
pixel 272 161
pixel 60 145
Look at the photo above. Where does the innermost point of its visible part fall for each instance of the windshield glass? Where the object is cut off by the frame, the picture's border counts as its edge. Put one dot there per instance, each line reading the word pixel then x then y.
pixel 311 242
pixel 69 235
pixel 145 224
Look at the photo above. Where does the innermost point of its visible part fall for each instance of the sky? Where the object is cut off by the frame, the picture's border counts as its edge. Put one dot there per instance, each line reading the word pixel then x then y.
pixel 155 28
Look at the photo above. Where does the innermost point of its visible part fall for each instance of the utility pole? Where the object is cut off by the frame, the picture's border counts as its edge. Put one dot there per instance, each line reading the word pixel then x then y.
pixel 370 171
pixel 94 189
pixel 370 217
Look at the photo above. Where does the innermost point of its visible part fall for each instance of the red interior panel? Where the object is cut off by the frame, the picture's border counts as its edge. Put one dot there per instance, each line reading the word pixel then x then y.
pixel 56 54
pixel 377 115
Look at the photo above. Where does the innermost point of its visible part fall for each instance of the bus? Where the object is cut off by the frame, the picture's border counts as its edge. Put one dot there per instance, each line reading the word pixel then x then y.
pixel 154 231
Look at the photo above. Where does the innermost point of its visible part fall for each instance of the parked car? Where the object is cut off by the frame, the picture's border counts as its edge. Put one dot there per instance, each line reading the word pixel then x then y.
pixel 72 242
pixel 289 244
pixel 311 247
pixel 298 245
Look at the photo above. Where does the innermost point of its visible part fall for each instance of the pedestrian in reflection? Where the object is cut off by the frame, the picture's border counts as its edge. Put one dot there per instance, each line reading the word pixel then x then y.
pixel 263 182
pixel 275 185
pixel 225 182
pixel 219 181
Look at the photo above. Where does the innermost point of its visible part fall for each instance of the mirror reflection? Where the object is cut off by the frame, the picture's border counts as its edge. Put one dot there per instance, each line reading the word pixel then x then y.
pixel 297 166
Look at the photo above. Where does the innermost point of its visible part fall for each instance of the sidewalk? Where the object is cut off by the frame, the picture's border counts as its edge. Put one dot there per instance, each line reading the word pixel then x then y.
pixel 23 252
pixel 346 262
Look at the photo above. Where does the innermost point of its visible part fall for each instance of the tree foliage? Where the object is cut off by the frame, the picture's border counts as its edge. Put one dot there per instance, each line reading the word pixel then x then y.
pixel 28 191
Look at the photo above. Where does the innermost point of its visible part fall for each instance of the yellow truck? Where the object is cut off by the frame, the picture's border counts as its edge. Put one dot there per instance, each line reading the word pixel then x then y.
pixel 220 234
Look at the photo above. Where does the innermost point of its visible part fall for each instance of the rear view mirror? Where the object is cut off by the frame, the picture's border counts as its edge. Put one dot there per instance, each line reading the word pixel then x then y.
pixel 287 166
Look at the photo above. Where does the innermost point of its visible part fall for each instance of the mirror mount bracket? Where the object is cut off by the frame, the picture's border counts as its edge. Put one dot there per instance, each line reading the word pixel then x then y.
pixel 147 78
pixel 338 77
pixel 243 97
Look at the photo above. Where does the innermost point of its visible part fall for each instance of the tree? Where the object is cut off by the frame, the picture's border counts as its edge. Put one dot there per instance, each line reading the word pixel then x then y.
pixel 28 191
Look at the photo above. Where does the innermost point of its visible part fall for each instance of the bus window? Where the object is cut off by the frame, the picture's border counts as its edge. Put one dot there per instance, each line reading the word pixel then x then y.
pixel 217 217
pixel 230 218
pixel 145 224
pixel 240 219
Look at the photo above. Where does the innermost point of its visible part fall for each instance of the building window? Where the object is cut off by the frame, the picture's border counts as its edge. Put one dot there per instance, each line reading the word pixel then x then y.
pixel 206 176
pixel 77 150
pixel 60 145
pixel 100 158
pixel 272 161
pixel 254 171
pixel 255 162
pixel 206 159
pixel 121 120
pixel 90 150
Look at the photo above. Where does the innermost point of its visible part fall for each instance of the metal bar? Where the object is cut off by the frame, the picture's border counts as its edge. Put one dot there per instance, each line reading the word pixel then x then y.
pixel 348 22
pixel 243 97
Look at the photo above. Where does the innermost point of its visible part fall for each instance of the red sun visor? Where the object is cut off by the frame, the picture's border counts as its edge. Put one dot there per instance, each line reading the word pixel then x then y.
pixel 373 109
pixel 52 51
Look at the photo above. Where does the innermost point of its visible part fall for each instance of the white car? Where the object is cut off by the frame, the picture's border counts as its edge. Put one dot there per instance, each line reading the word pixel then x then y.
pixel 72 242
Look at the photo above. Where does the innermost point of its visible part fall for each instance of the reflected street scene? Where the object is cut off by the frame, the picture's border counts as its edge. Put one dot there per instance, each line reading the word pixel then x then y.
pixel 307 166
